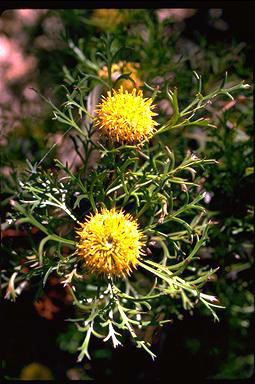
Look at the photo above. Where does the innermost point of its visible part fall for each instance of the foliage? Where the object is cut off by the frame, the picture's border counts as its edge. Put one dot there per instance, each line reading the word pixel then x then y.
pixel 164 185
pixel 143 181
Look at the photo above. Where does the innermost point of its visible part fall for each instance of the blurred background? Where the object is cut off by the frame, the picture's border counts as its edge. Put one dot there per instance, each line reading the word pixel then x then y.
pixel 36 56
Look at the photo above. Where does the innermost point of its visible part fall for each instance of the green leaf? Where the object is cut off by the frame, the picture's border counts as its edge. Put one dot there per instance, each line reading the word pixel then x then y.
pixel 124 53
pixel 122 77
pixel 79 198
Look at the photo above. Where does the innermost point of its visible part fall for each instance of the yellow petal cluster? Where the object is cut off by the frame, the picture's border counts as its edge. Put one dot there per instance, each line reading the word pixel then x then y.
pixel 108 18
pixel 121 68
pixel 110 243
pixel 126 117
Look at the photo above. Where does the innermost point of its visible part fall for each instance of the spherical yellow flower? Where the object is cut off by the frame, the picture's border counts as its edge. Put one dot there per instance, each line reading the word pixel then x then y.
pixel 131 67
pixel 110 243
pixel 108 18
pixel 120 68
pixel 36 371
pixel 126 117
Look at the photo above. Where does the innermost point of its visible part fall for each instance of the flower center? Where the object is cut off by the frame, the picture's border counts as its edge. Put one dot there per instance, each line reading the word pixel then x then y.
pixel 109 243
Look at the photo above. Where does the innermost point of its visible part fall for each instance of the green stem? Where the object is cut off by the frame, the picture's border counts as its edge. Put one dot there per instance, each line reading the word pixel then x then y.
pixel 55 238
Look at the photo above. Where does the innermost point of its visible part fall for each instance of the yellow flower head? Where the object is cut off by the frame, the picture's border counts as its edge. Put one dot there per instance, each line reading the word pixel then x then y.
pixel 36 371
pixel 108 18
pixel 126 117
pixel 121 68
pixel 131 67
pixel 110 243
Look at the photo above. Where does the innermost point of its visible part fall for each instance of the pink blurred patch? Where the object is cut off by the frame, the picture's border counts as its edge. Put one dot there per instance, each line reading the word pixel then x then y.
pixel 13 64
pixel 178 14
pixel 30 16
